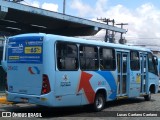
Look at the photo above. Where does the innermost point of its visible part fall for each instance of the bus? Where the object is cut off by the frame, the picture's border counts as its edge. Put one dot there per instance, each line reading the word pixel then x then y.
pixel 58 71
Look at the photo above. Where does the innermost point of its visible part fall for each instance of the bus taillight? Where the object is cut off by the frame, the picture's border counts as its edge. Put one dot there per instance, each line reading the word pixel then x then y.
pixel 45 85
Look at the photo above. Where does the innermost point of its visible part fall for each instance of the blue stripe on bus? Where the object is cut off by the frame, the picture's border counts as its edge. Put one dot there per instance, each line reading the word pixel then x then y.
pixel 111 81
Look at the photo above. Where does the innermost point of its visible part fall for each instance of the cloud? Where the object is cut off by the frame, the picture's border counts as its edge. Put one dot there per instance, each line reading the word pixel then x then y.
pixel 82 8
pixel 144 21
pixel 35 4
pixel 50 6
pixel 46 6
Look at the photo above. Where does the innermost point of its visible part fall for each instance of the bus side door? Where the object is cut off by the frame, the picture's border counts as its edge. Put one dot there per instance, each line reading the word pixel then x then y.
pixel 122 73
pixel 144 71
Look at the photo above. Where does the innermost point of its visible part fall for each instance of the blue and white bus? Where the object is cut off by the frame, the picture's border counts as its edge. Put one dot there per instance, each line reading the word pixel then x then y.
pixel 58 71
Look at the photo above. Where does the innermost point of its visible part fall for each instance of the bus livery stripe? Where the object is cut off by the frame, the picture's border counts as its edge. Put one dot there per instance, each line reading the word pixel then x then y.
pixel 86 86
pixel 111 81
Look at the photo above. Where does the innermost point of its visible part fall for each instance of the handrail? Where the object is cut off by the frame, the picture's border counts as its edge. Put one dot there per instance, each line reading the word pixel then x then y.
pixel 4 48
pixel 4 62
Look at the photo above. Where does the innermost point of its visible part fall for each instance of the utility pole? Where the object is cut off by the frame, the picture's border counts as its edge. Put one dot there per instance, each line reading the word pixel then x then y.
pixel 112 38
pixel 107 37
pixel 122 40
pixel 64 6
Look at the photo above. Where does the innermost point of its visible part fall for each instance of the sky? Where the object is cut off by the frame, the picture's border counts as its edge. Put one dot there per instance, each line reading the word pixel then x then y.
pixel 142 16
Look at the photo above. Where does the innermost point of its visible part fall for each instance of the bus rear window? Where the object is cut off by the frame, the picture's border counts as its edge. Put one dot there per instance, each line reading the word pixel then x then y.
pixel 25 50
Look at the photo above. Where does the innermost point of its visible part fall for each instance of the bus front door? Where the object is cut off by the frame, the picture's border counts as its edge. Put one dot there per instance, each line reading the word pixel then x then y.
pixel 144 72
pixel 122 73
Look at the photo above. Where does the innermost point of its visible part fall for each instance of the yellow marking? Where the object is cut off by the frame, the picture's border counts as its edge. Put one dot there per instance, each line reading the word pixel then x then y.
pixel 33 50
pixel 3 100
pixel 44 99
pixel 138 79
pixel 13 57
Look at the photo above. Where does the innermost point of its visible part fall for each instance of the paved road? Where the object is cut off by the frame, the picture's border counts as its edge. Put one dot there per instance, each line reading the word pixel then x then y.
pixel 136 106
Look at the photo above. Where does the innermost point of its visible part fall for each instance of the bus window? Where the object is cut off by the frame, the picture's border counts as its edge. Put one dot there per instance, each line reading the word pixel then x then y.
pixel 152 65
pixel 67 57
pixel 135 63
pixel 88 58
pixel 124 60
pixel 119 63
pixel 107 59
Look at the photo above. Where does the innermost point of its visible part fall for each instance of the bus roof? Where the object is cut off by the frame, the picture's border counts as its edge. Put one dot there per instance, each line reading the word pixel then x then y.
pixel 83 41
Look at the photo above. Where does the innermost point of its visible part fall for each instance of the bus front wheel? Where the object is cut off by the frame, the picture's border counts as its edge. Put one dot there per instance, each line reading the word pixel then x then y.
pixel 99 102
pixel 148 97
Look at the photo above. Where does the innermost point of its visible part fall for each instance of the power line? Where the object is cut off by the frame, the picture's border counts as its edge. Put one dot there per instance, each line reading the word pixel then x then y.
pixel 141 38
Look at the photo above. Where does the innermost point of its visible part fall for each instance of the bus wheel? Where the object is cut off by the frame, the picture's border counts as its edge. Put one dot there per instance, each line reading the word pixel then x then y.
pixel 148 97
pixel 99 102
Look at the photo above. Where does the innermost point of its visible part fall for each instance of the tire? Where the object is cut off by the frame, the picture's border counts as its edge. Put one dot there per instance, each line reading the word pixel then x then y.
pixel 148 97
pixel 99 102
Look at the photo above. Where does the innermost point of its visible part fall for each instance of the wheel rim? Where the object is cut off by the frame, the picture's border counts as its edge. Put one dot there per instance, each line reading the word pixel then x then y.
pixel 99 103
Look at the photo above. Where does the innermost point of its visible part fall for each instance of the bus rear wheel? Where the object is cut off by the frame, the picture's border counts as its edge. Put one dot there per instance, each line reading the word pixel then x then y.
pixel 99 102
pixel 148 97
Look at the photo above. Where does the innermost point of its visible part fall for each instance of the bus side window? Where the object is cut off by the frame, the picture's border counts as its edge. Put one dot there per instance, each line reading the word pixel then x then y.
pixel 67 57
pixel 135 60
pixel 152 65
pixel 88 57
pixel 107 59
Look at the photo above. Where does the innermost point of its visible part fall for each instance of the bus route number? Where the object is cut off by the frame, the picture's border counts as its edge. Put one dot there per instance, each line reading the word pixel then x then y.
pixel 36 50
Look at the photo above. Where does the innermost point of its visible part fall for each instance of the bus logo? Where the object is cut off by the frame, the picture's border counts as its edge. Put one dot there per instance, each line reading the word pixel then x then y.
pixel 65 77
pixel 34 70
pixel 65 81
pixel 6 114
